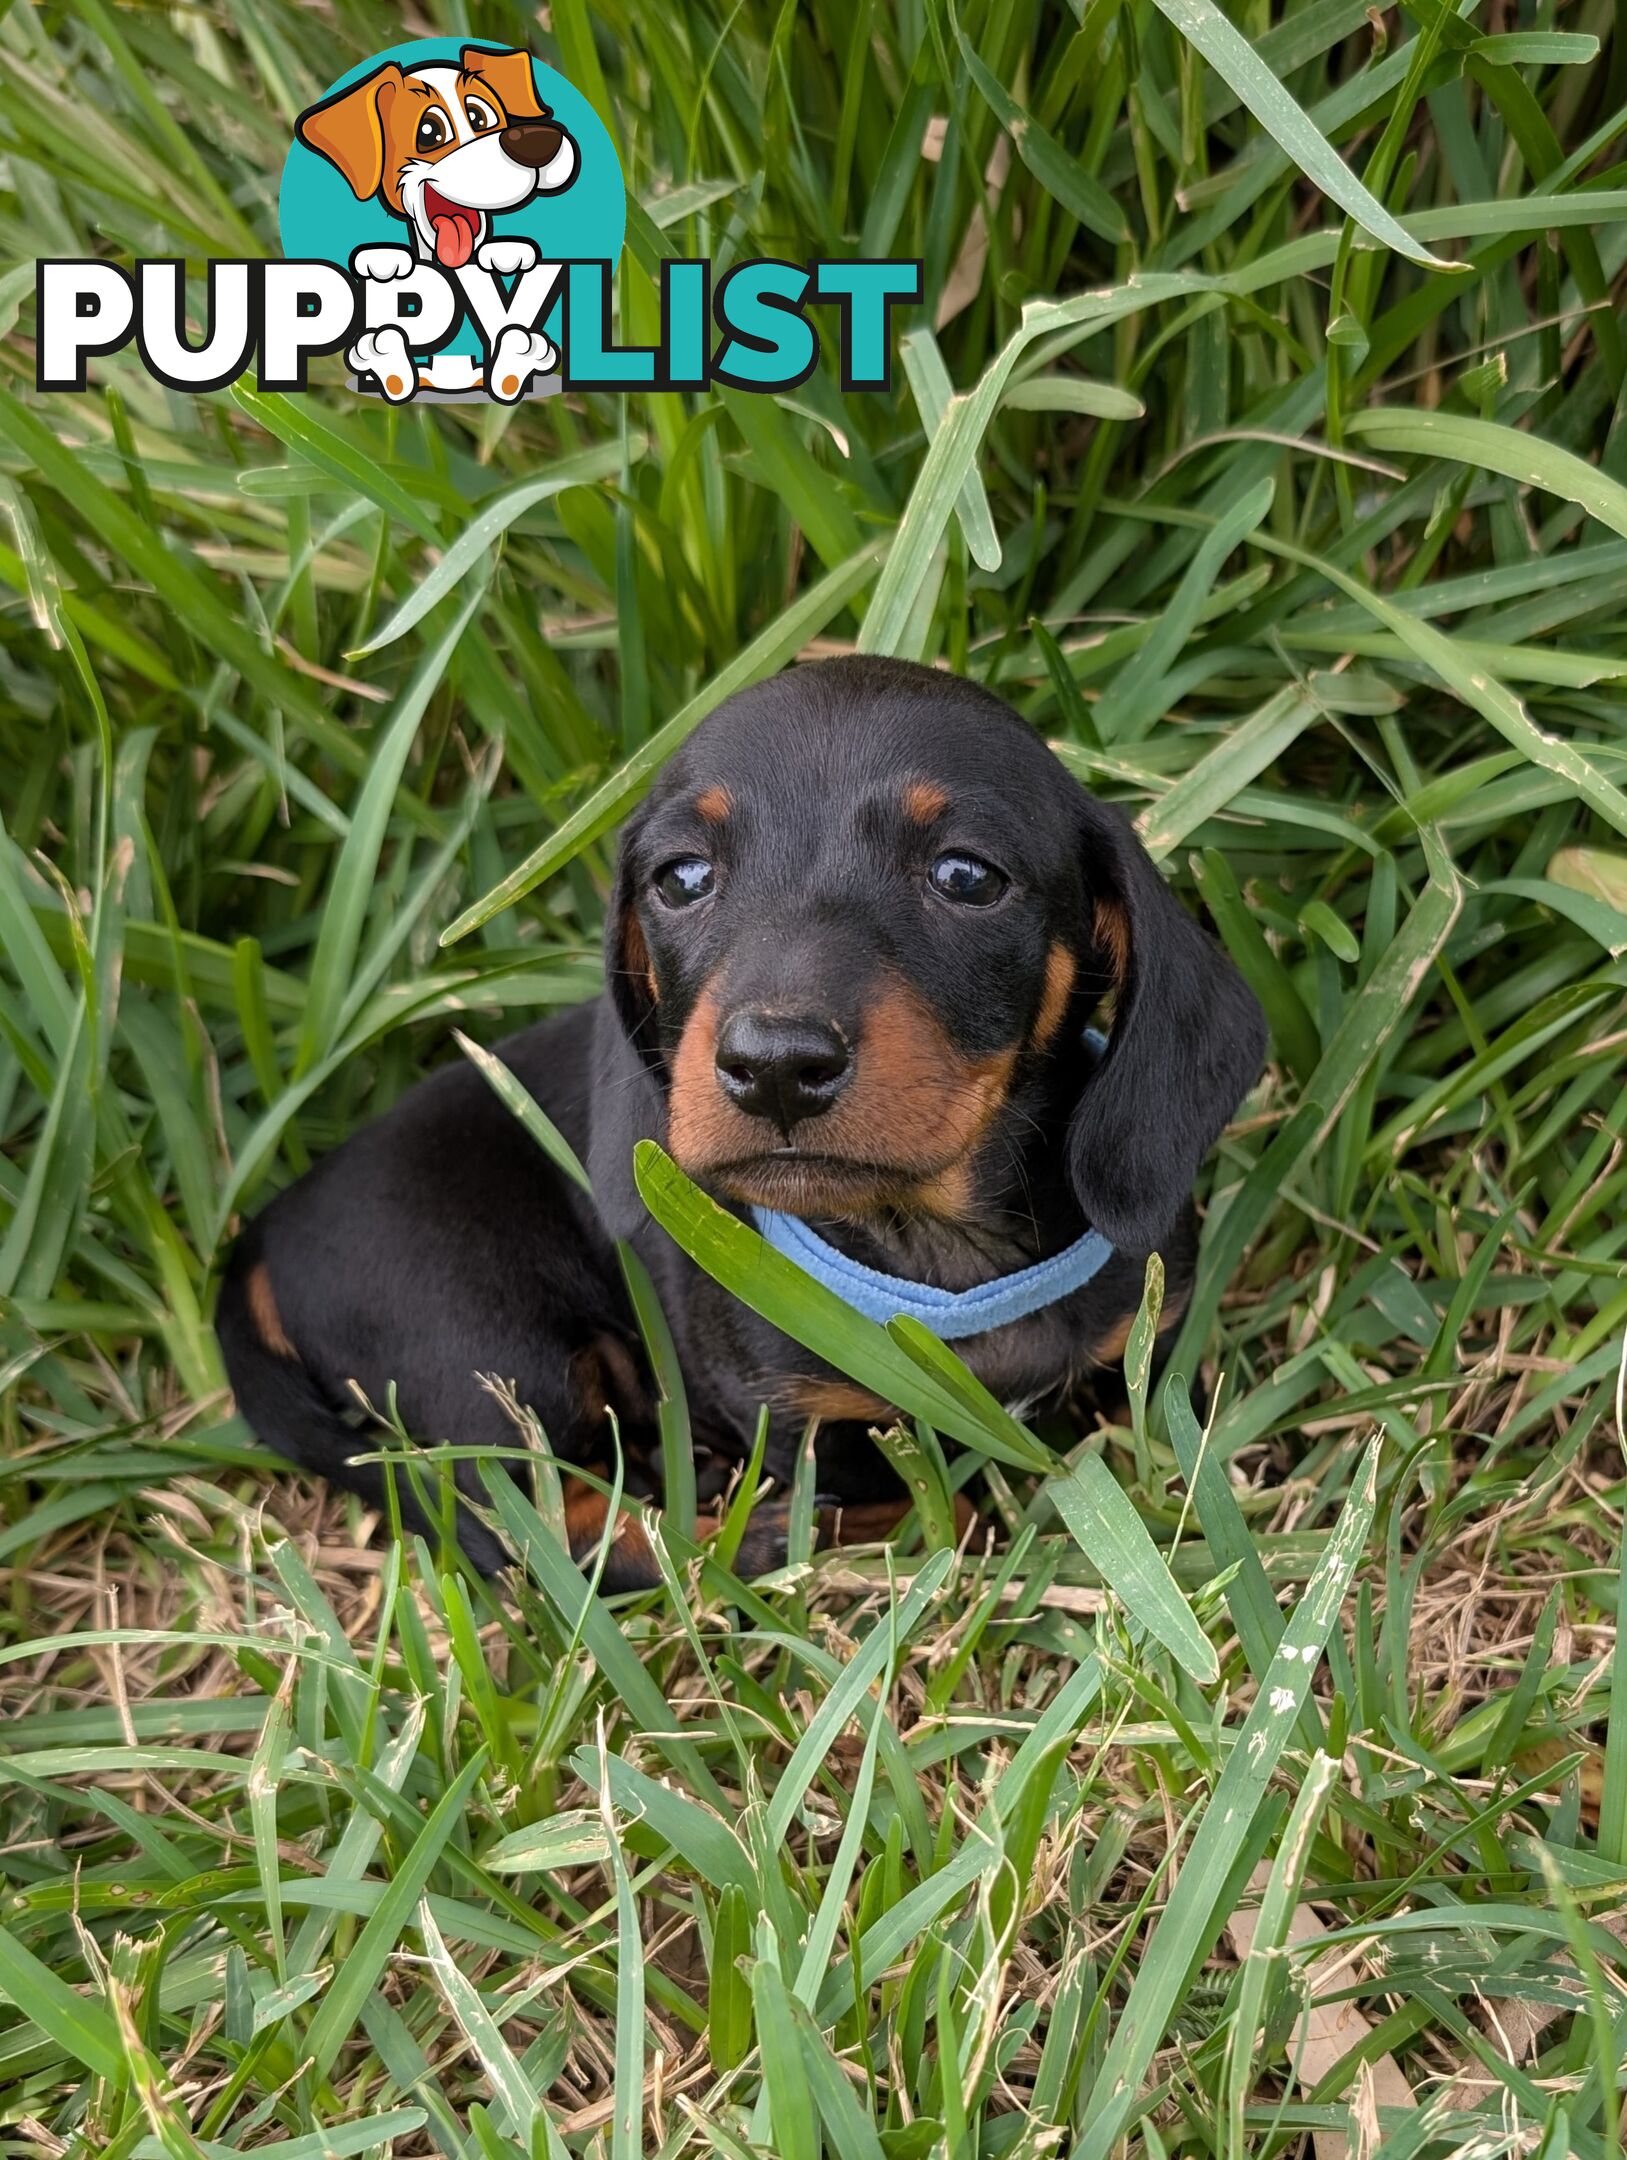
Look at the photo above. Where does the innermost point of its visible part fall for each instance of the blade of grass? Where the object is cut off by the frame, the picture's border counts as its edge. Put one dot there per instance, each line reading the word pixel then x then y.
pixel 1191 1920
pixel 356 1976
pixel 355 870
pixel 777 1288
pixel 784 638
pixel 1112 1536
pixel 1234 59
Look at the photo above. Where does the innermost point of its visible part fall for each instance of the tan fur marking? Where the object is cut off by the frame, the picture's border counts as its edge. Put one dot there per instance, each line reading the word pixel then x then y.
pixel 914 1081
pixel 1060 969
pixel 586 1513
pixel 704 1127
pixel 915 1108
pixel 835 1401
pixel 607 1378
pixel 714 804
pixel 950 1196
pixel 1112 927
pixel 1112 1346
pixel 875 1521
pixel 263 1313
pixel 924 801
pixel 588 1377
pixel 635 954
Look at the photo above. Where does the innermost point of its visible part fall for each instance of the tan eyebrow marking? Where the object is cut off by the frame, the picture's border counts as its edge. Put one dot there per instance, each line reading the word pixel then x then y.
pixel 714 804
pixel 924 801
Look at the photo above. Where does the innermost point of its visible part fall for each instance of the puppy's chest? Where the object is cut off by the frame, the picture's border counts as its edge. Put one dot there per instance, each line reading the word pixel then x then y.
pixel 1030 1364
pixel 1037 1359
pixel 734 1362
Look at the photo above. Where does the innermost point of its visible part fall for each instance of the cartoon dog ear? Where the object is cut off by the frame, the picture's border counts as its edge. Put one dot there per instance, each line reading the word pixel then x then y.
pixel 508 76
pixel 1187 1044
pixel 629 972
pixel 348 130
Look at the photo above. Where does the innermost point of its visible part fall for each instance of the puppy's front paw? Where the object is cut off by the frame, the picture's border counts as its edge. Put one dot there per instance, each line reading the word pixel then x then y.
pixel 383 354
pixel 507 258
pixel 518 355
pixel 765 1548
pixel 381 264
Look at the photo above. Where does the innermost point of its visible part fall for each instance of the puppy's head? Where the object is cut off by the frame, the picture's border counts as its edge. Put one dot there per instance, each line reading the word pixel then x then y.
pixel 856 935
pixel 445 147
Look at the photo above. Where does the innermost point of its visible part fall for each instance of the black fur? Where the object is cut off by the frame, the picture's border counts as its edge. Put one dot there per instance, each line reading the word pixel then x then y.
pixel 1187 1044
pixel 440 1243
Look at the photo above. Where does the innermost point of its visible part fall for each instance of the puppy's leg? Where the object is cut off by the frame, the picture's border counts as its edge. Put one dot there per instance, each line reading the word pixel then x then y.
pixel 292 1412
pixel 1106 1390
pixel 874 1522
pixel 630 1562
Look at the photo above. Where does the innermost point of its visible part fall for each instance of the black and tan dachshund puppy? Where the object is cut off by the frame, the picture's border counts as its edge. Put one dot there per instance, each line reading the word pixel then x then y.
pixel 857 936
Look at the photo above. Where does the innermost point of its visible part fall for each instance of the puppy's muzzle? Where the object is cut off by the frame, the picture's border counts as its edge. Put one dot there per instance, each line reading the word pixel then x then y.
pixel 535 143
pixel 783 1067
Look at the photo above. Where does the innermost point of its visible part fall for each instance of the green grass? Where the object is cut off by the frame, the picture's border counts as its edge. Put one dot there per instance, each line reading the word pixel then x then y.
pixel 1308 550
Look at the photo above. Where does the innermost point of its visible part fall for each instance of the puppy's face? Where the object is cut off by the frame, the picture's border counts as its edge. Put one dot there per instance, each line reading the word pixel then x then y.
pixel 856 934
pixel 858 916
pixel 445 147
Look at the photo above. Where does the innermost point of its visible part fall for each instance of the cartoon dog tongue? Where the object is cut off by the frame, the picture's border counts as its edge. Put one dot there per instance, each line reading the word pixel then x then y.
pixel 455 227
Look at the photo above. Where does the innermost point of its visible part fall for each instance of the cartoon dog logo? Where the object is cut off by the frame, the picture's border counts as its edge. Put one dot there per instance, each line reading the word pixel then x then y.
pixel 446 149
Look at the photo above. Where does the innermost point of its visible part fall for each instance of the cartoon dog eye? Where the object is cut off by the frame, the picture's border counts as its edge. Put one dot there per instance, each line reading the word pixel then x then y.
pixel 432 131
pixel 481 117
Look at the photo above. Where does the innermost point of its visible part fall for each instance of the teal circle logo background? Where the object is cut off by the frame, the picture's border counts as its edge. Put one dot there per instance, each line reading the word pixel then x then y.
pixel 319 218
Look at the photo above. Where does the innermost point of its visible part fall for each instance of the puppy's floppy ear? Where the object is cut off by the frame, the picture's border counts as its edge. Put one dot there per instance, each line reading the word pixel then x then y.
pixel 508 76
pixel 348 130
pixel 629 972
pixel 1188 1042
pixel 629 1101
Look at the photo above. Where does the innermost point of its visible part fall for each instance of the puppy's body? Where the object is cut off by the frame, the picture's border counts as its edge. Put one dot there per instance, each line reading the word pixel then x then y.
pixel 437 1244
pixel 857 935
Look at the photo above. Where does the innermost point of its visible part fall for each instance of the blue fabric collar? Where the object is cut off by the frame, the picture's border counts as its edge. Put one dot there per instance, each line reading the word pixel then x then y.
pixel 949 1314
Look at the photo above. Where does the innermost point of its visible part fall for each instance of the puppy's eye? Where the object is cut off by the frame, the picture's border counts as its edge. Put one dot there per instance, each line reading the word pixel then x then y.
pixel 431 131
pixel 685 881
pixel 967 879
pixel 481 117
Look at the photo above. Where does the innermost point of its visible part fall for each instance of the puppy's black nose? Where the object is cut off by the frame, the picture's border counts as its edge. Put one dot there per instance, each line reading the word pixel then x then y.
pixel 779 1067
pixel 532 142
